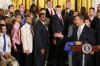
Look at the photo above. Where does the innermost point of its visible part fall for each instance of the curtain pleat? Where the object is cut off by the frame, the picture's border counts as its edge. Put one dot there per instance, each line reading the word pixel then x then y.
pixel 43 4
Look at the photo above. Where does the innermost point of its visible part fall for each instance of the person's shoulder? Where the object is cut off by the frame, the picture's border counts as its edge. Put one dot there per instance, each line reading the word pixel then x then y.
pixel 63 10
pixel 54 16
pixel 89 29
pixel 16 25
pixel 46 9
pixel 37 23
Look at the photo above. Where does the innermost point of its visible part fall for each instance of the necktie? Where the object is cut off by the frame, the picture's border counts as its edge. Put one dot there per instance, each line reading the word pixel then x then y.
pixel 51 13
pixel 61 20
pixel 79 33
pixel 4 47
pixel 90 20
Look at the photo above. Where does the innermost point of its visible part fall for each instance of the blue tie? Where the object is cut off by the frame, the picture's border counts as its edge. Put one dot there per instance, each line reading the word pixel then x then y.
pixel 4 47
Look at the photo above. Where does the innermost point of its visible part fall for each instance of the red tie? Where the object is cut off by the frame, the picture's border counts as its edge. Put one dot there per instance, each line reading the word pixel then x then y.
pixel 61 20
pixel 90 20
pixel 51 13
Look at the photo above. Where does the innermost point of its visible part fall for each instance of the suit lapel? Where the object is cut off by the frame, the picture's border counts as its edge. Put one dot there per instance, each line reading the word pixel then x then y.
pixel 60 21
pixel 43 26
pixel 83 32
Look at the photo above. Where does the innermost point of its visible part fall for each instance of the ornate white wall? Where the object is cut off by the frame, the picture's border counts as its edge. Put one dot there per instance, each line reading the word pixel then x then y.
pixel 95 3
pixel 5 3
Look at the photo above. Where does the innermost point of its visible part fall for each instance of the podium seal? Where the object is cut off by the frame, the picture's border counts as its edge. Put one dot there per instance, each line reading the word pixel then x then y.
pixel 86 48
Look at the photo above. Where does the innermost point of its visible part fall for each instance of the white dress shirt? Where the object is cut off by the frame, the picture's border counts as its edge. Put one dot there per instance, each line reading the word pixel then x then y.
pixel 8 44
pixel 80 29
pixel 27 37
pixel 79 32
pixel 91 18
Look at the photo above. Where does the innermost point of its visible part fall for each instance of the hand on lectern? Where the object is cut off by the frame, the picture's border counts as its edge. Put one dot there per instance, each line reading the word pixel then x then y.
pixel 92 53
pixel 98 47
pixel 78 43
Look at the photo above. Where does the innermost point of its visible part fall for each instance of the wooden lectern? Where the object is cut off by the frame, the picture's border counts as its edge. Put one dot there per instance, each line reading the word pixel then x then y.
pixel 75 48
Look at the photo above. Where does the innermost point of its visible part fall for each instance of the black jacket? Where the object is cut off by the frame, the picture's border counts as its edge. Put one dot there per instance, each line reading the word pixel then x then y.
pixel 40 36
pixel 48 13
pixel 57 26
pixel 87 35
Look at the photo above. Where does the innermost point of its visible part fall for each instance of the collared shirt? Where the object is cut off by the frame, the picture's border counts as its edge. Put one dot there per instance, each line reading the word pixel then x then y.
pixel 68 10
pixel 91 18
pixel 27 37
pixel 61 18
pixel 80 29
pixel 23 20
pixel 51 9
pixel 8 43
pixel 16 37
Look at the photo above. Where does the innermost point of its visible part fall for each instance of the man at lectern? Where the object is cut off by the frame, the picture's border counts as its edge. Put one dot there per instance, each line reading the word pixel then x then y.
pixel 82 34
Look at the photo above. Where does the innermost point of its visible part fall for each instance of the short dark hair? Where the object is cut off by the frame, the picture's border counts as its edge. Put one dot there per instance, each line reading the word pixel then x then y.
pixel 92 8
pixel 18 15
pixel 41 14
pixel 58 6
pixel 2 18
pixel 6 17
pixel 27 16
pixel 48 1
pixel 10 6
pixel 1 25
pixel 42 9
pixel 21 5
pixel 80 16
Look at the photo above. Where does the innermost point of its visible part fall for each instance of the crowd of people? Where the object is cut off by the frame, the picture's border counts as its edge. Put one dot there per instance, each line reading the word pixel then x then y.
pixel 37 38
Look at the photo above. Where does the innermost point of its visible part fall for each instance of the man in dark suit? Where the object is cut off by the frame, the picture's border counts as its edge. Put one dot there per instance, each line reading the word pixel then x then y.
pixel 58 32
pixel 67 11
pixel 92 18
pixel 97 29
pixel 41 39
pixel 82 34
pixel 49 10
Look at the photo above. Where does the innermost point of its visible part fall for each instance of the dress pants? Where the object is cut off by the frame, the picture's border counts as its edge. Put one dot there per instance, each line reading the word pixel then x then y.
pixel 28 60
pixel 59 56
pixel 40 59
pixel 19 55
pixel 52 55
pixel 59 52
pixel 97 58
pixel 77 60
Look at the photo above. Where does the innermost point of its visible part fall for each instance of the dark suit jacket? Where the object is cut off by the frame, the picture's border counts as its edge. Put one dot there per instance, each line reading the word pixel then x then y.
pixel 87 35
pixel 40 36
pixel 96 26
pixel 57 26
pixel 93 24
pixel 68 20
pixel 67 14
pixel 48 13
